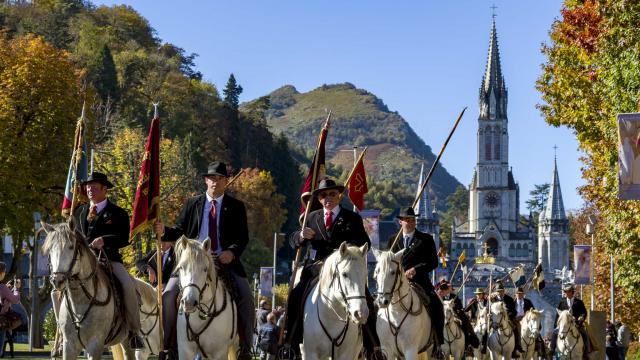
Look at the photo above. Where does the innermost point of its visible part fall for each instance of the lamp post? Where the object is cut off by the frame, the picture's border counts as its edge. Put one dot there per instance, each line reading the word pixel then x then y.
pixel 275 273
pixel 612 291
pixel 591 231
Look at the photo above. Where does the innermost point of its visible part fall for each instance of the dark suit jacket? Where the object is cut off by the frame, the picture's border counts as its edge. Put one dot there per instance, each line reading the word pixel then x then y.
pixel 420 254
pixel 150 261
pixel 528 305
pixel 234 233
pixel 510 305
pixel 577 308
pixel 112 224
pixel 472 307
pixel 346 227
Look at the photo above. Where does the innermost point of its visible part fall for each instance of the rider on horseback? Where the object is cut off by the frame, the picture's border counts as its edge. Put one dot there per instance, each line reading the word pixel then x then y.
pixel 418 260
pixel 223 219
pixel 473 308
pixel 105 226
pixel 445 293
pixel 510 304
pixel 579 312
pixel 326 229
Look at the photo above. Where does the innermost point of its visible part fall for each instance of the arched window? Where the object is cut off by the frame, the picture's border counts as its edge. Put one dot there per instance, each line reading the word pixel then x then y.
pixel 525 250
pixel 492 245
pixel 512 251
pixel 496 143
pixel 487 144
pixel 518 250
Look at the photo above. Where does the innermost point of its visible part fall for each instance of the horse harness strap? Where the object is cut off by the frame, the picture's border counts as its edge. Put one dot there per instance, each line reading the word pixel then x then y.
pixel 145 334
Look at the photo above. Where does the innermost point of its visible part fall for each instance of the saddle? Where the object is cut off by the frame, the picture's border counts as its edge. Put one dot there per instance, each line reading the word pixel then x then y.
pixel 422 295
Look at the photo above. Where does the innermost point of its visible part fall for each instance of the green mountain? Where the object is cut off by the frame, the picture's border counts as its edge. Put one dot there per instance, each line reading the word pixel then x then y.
pixel 359 118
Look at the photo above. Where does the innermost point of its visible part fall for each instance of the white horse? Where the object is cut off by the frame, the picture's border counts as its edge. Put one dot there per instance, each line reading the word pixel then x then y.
pixel 337 307
pixel 207 315
pixel 502 338
pixel 403 326
pixel 529 332
pixel 87 316
pixel 570 344
pixel 481 328
pixel 149 326
pixel 453 344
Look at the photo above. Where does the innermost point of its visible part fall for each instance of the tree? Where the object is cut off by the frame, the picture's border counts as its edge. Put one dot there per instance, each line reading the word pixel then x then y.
pixel 232 92
pixel 106 79
pixel 538 199
pixel 456 214
pixel 591 74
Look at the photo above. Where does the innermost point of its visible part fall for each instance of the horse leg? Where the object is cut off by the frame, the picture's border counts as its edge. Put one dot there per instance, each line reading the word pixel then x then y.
pixel 411 354
pixel 142 354
pixel 129 353
pixel 94 349
pixel 70 351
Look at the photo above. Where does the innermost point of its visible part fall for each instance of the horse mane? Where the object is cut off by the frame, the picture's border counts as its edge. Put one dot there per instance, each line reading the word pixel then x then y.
pixel 330 263
pixel 532 314
pixel 190 251
pixel 565 316
pixel 62 233
pixel 498 307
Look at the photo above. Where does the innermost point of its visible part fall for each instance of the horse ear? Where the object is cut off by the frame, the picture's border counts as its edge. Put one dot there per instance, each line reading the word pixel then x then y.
pixel 206 244
pixel 559 311
pixel 376 253
pixel 47 227
pixel 398 256
pixel 182 243
pixel 343 248
pixel 540 311
pixel 364 249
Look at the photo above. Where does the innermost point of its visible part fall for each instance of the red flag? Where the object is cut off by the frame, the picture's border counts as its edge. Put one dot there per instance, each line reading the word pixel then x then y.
pixel 73 193
pixel 146 206
pixel 357 183
pixel 316 171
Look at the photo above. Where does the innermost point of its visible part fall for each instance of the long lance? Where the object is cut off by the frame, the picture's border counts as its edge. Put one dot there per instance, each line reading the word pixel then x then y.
pixel 77 153
pixel 431 171
pixel 298 260
pixel 466 277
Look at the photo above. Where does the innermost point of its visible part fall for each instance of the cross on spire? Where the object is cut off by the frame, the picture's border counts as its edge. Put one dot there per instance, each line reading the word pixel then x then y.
pixel 493 11
pixel 555 152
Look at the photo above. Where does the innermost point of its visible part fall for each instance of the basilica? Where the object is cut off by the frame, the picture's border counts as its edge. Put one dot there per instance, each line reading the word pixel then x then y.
pixel 494 223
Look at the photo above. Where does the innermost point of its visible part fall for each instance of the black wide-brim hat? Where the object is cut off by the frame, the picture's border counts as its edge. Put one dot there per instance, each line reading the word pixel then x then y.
pixel 479 291
pixel 406 212
pixel 217 168
pixel 99 178
pixel 327 184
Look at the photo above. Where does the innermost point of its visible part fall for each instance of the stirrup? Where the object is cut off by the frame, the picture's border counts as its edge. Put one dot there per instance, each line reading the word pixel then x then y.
pixel 285 352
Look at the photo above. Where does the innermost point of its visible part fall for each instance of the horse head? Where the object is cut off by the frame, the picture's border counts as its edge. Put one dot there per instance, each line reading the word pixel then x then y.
pixel 343 279
pixel 449 311
pixel 533 322
pixel 565 321
pixel 195 270
pixel 64 246
pixel 482 319
pixel 389 275
pixel 498 313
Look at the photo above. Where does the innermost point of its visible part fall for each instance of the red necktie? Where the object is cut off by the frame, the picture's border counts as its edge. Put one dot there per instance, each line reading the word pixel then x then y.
pixel 93 212
pixel 213 226
pixel 328 220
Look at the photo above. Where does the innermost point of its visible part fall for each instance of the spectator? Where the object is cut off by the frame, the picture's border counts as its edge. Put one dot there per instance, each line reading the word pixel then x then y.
pixel 268 338
pixel 8 296
pixel 612 351
pixel 261 314
pixel 624 338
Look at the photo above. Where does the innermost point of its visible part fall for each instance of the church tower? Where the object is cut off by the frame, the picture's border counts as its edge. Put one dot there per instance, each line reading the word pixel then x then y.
pixel 428 220
pixel 553 228
pixel 493 209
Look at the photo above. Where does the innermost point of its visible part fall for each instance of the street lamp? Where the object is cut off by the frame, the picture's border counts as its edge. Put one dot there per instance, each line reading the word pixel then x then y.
pixel 591 231
pixel 275 273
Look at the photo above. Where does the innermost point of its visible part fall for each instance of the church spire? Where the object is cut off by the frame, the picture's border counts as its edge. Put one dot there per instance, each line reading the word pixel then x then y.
pixel 493 93
pixel 554 209
pixel 423 207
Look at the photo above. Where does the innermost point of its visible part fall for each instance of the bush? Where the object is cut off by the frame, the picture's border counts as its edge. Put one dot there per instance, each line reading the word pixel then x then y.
pixel 49 326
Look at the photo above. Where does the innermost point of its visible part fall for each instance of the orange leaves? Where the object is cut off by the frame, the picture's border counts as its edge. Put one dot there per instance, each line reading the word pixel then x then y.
pixel 581 26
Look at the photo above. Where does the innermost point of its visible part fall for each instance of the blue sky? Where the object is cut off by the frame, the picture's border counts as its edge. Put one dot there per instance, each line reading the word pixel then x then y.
pixel 425 59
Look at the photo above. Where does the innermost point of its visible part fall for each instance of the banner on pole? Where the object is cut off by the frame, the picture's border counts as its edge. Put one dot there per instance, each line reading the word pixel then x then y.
pixel 629 156
pixel 441 274
pixel 266 281
pixel 582 264
pixel 371 222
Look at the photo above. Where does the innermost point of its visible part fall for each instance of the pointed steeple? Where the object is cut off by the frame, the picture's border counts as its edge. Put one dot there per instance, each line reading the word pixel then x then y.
pixel 493 93
pixel 423 207
pixel 554 209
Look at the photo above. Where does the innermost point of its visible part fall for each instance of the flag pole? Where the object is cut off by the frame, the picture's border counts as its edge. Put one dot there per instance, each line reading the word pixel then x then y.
pixel 466 277
pixel 455 269
pixel 298 258
pixel 77 153
pixel 159 263
pixel 433 167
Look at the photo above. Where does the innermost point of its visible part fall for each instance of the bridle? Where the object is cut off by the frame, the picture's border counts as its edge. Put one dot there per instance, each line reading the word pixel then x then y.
pixel 396 286
pixel 339 339
pixel 206 312
pixel 500 327
pixel 457 334
pixel 562 335
pixel 533 333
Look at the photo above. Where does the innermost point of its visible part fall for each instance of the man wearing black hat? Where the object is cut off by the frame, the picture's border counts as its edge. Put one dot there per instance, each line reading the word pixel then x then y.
pixel 326 229
pixel 579 312
pixel 223 219
pixel 472 306
pixel 522 304
pixel 106 227
pixel 510 304
pixel 418 259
